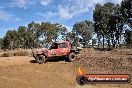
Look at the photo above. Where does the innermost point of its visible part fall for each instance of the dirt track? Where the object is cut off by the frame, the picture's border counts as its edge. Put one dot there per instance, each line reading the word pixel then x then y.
pixel 20 72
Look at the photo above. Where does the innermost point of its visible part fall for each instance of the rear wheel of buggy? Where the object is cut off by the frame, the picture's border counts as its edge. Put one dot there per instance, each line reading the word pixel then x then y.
pixel 40 59
pixel 72 57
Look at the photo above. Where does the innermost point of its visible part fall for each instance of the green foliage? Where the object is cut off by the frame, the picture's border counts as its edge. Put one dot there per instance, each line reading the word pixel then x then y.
pixel 11 39
pixel 1 43
pixel 129 37
pixel 49 32
pixel 126 9
pixel 69 36
pixel 84 29
pixel 94 41
pixel 108 22
pixel 34 36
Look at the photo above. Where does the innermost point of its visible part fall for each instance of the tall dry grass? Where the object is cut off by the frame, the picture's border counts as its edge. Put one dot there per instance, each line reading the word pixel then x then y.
pixel 18 52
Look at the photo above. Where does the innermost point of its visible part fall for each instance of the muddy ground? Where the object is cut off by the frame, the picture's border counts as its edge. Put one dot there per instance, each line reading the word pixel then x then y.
pixel 22 72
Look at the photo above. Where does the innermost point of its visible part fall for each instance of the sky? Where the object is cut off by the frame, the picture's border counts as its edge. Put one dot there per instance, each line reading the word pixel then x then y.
pixel 15 13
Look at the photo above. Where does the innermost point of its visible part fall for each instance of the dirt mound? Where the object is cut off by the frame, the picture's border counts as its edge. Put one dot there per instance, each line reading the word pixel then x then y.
pixel 95 61
pixel 87 50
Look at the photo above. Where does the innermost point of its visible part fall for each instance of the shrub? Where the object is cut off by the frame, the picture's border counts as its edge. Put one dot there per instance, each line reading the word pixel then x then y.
pixel 15 53
pixel 21 53
pixel 5 54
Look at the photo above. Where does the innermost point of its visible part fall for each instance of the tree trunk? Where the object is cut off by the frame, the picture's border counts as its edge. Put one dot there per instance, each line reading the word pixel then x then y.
pixel 108 42
pixel 103 41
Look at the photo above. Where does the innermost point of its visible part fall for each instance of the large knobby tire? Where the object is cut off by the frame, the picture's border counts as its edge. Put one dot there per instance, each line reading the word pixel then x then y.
pixel 72 57
pixel 40 59
pixel 81 80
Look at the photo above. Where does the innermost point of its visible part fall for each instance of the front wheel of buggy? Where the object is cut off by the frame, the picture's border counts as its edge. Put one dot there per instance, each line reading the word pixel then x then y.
pixel 40 59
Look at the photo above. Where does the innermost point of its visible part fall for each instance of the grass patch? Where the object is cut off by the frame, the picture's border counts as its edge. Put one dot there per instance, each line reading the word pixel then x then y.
pixel 15 53
pixel 21 53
